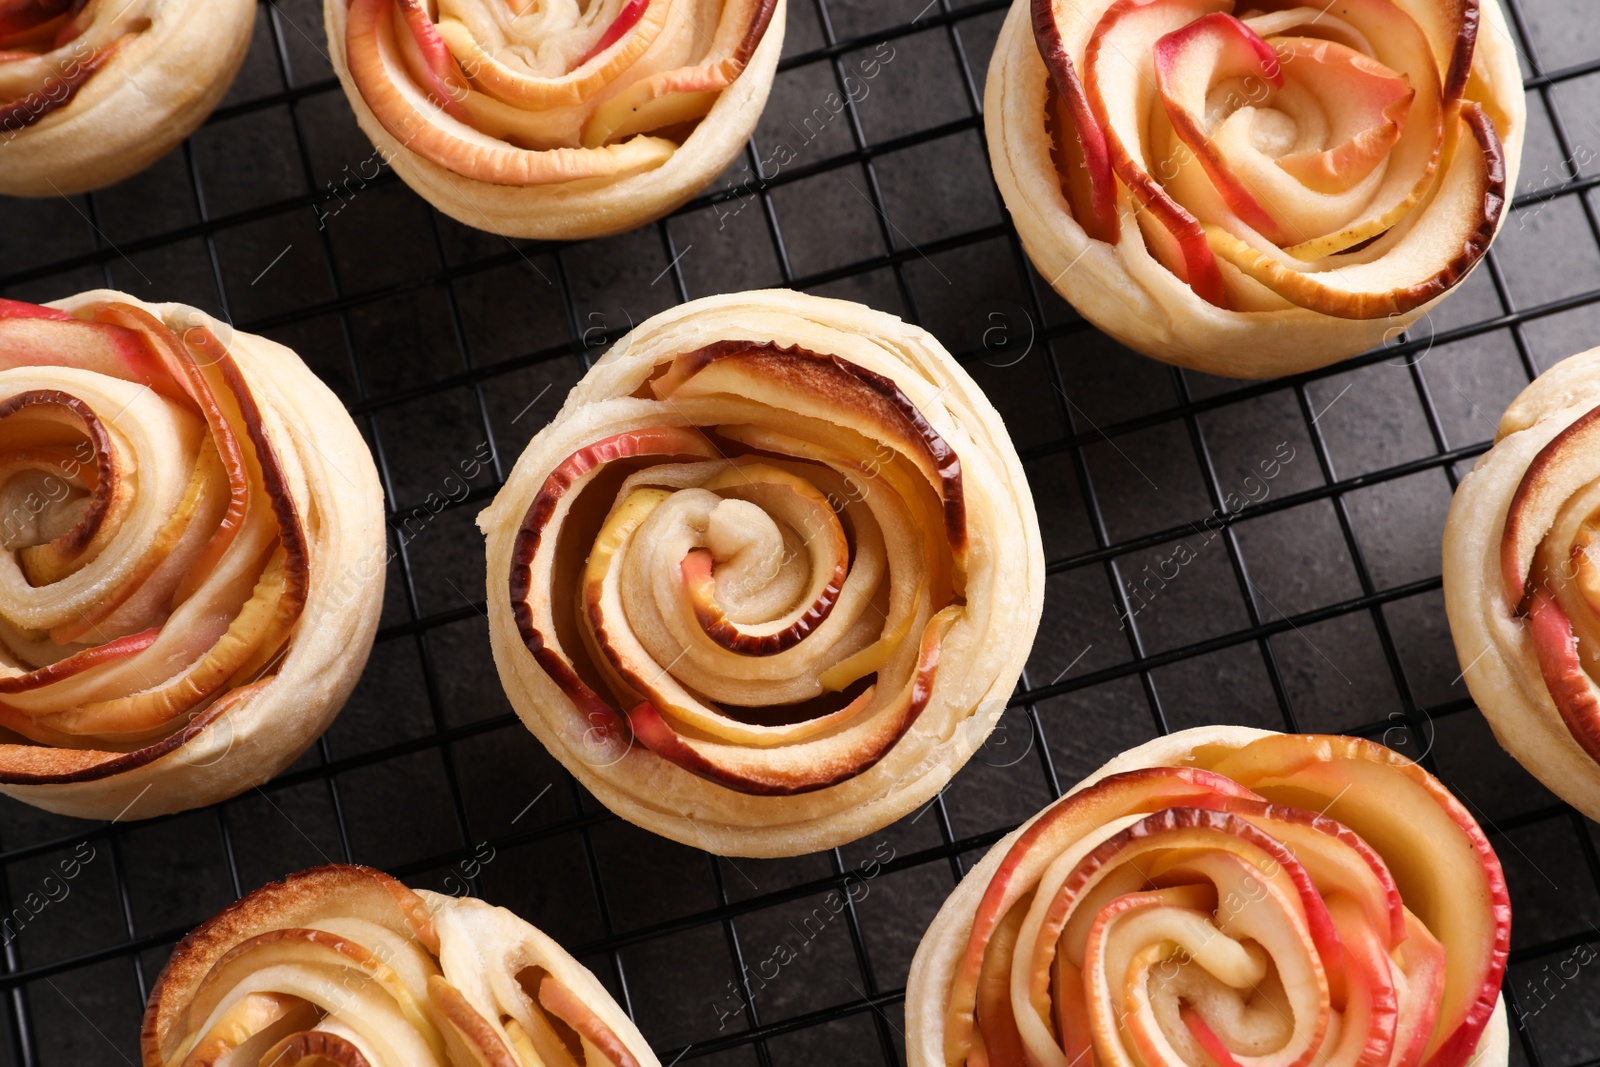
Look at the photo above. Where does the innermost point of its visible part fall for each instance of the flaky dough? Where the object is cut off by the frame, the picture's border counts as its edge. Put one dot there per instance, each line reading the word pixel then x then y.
pixel 174 64
pixel 590 207
pixel 1126 292
pixel 793 788
pixel 935 964
pixel 255 726
pixel 1493 642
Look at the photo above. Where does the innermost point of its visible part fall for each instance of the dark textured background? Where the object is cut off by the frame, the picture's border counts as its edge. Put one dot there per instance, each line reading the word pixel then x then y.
pixel 1319 607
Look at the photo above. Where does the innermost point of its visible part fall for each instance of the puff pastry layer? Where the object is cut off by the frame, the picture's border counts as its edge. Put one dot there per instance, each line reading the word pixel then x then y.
pixel 1520 580
pixel 1257 189
pixel 769 577
pixel 345 965
pixel 92 91
pixel 191 556
pixel 1224 896
pixel 551 119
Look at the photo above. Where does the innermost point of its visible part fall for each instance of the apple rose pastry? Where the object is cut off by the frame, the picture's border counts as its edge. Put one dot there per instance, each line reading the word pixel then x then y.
pixel 345 965
pixel 768 579
pixel 551 118
pixel 1224 897
pixel 1522 580
pixel 1260 189
pixel 191 556
pixel 92 91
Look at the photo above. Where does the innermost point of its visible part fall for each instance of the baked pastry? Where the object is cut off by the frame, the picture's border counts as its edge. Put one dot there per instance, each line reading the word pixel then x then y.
pixel 1258 189
pixel 1521 587
pixel 345 965
pixel 556 121
pixel 191 556
pixel 768 579
pixel 92 91
pixel 1223 896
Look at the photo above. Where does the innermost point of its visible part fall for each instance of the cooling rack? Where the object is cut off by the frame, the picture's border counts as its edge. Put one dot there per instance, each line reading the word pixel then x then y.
pixel 1305 596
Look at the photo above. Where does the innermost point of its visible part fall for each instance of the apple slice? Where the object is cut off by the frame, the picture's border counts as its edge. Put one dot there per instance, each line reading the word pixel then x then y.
pixel 1290 920
pixel 870 728
pixel 675 96
pixel 260 499
pixel 43 414
pixel 1371 1009
pixel 34 336
pixel 1189 62
pixel 146 594
pixel 996 1031
pixel 31 25
pixel 30 108
pixel 510 85
pixel 16 680
pixel 1368 102
pixel 1421 260
pixel 1451 29
pixel 1442 863
pixel 1562 467
pixel 1398 44
pixel 429 60
pixel 535 623
pixel 751 552
pixel 626 19
pixel 1128 939
pixel 1207 1038
pixel 1420 986
pixel 1050 834
pixel 1570 687
pixel 468 1035
pixel 1120 84
pixel 418 118
pixel 1336 858
pixel 832 390
pixel 315 1047
pixel 571 1009
pixel 700 590
pixel 1080 137
pixel 325 951
pixel 255 1022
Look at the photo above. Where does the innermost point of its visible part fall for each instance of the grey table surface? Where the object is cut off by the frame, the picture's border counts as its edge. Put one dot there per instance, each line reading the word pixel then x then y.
pixel 1320 607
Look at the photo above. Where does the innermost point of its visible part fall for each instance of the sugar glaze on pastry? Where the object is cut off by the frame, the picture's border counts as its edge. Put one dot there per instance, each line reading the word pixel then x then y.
pixel 1258 188
pixel 769 577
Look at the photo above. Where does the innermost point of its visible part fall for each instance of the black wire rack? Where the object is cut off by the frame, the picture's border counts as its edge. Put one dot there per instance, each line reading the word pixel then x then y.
pixel 1307 596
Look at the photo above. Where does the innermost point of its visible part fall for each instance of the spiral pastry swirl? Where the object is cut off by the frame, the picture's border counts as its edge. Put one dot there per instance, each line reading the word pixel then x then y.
pixel 1521 584
pixel 1224 897
pixel 551 118
pixel 92 91
pixel 1259 188
pixel 345 965
pixel 182 512
pixel 768 578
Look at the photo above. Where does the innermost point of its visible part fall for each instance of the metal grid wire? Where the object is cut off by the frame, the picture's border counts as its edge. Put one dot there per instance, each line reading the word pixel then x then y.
pixel 1308 597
